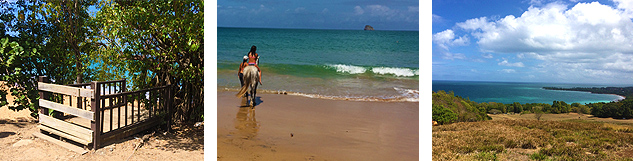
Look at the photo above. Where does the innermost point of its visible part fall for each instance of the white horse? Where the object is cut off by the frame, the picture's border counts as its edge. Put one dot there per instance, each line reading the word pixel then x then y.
pixel 250 81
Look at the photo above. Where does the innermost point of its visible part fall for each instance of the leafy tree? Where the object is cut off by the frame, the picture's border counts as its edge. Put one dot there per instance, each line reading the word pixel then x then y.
pixel 156 43
pixel 16 72
pixel 538 112
pixel 72 44
pixel 43 35
pixel 443 115
pixel 584 109
pixel 517 107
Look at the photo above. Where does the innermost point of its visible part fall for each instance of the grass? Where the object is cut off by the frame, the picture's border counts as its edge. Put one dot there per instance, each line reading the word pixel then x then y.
pixel 529 139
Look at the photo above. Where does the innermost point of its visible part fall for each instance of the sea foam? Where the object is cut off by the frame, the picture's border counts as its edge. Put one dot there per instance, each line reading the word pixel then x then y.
pixel 400 72
pixel 348 69
pixel 351 69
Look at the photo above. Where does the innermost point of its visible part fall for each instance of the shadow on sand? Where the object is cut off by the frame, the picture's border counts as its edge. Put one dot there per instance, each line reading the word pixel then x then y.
pixel 245 102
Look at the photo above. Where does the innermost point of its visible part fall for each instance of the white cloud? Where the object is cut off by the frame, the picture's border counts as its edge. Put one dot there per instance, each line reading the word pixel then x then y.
pixel 325 10
pixel 437 18
pixel 261 9
pixel 358 10
pixel 453 56
pixel 447 38
pixel 508 70
pixel 382 13
pixel 506 63
pixel 586 41
pixel 300 9
pixel 555 28
pixel 414 9
pixel 487 55
pixel 379 9
pixel 626 5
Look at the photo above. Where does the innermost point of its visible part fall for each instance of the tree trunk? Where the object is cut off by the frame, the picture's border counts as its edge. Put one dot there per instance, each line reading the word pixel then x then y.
pixel 78 67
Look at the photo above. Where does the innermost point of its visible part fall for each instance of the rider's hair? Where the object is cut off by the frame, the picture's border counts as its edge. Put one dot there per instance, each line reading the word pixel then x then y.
pixel 253 49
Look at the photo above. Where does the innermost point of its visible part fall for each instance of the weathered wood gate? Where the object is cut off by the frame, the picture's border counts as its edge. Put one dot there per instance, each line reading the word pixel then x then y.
pixel 98 107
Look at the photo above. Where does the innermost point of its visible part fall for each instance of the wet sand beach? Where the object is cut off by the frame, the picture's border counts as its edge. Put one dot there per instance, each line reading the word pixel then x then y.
pixel 284 127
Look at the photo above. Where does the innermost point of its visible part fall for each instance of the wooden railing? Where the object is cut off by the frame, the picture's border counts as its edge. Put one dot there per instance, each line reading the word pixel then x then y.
pixel 142 109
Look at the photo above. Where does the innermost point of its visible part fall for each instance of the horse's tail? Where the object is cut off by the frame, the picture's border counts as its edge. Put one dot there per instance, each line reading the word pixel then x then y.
pixel 250 76
pixel 243 90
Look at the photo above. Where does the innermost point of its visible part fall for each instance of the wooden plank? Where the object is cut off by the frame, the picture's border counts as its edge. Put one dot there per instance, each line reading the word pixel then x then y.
pixel 61 143
pixel 63 134
pixel 67 90
pixel 67 109
pixel 130 130
pixel 88 93
pixel 75 130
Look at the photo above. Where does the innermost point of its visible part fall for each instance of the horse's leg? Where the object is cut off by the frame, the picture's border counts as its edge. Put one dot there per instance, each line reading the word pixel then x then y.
pixel 254 92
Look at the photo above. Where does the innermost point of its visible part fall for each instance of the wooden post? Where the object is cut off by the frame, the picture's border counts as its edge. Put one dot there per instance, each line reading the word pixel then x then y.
pixel 43 95
pixel 124 89
pixel 94 104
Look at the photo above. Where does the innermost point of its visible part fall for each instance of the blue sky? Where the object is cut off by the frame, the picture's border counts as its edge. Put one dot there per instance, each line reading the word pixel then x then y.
pixel 322 14
pixel 568 41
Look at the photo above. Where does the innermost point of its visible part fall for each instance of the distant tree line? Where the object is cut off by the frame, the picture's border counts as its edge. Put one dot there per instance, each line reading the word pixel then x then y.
pixel 619 110
pixel 622 91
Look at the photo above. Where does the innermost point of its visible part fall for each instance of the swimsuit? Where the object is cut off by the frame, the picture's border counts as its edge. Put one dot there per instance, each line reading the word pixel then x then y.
pixel 252 57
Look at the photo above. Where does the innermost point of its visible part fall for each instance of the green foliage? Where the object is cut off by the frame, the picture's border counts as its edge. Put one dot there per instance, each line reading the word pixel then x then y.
pixel 517 107
pixel 486 156
pixel 16 72
pixel 538 156
pixel 155 43
pixel 463 109
pixel 49 34
pixel 443 115
pixel 538 112
pixel 72 42
pixel 617 110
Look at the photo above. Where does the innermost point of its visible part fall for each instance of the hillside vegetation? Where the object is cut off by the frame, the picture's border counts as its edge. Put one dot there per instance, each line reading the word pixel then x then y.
pixel 448 108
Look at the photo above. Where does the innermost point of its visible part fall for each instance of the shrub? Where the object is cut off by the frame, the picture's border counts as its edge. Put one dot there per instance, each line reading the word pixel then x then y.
pixel 538 112
pixel 538 156
pixel 443 115
pixel 486 156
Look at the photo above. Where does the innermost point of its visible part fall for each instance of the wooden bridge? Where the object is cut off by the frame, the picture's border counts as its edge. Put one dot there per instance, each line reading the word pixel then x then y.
pixel 99 113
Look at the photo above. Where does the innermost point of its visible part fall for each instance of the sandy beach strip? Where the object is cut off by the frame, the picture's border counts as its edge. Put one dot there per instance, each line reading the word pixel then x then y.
pixel 284 127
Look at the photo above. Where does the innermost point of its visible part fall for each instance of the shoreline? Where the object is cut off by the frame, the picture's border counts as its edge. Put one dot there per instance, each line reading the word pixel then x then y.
pixel 619 99
pixel 406 95
pixel 299 128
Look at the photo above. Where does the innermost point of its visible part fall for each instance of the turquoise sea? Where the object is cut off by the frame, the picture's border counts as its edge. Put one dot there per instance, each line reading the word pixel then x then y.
pixel 329 64
pixel 509 92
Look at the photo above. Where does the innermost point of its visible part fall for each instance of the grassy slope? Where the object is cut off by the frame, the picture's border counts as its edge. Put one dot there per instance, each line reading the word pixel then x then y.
pixel 523 138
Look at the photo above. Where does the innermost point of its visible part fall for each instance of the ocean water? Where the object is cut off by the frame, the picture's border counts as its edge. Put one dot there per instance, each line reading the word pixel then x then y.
pixel 329 64
pixel 508 92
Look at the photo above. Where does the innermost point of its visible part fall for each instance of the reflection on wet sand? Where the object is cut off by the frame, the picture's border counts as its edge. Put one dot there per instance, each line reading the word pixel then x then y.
pixel 245 123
